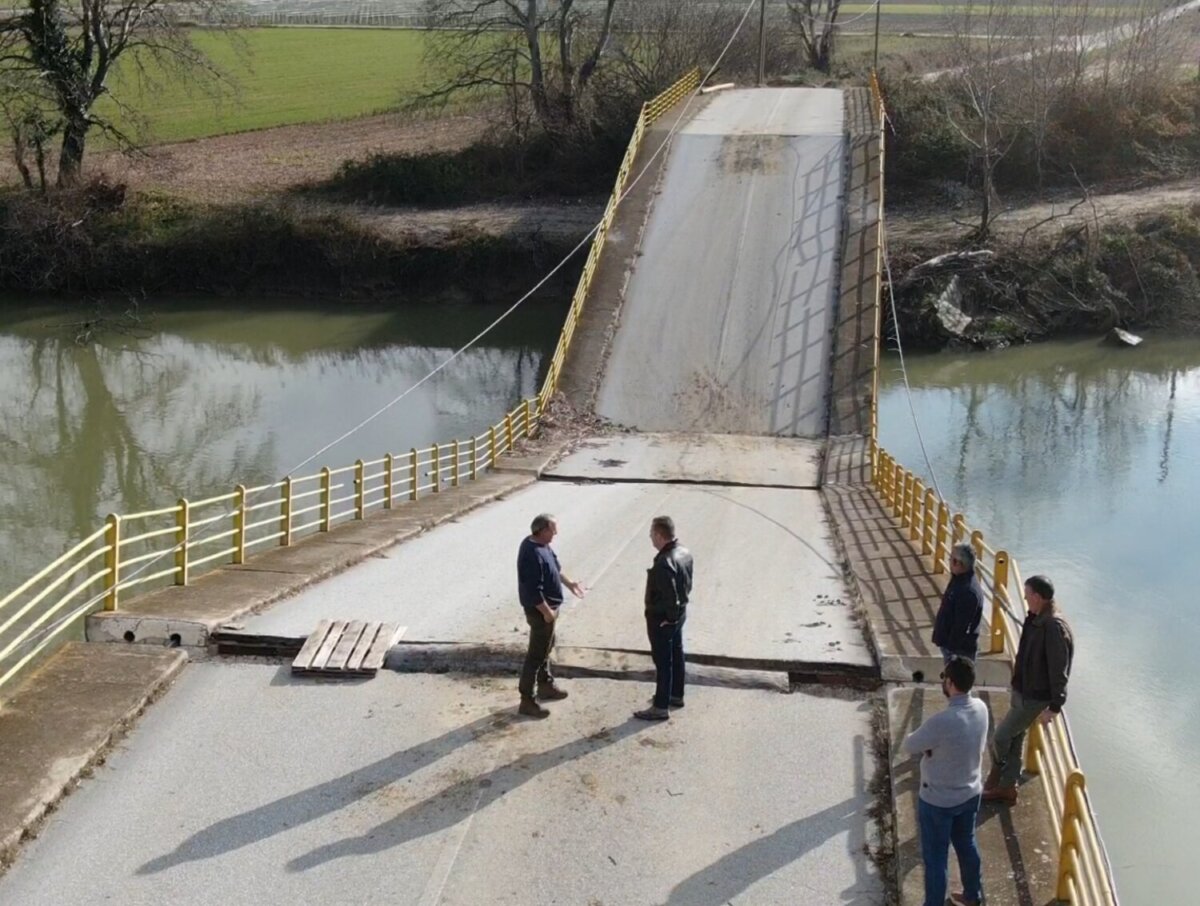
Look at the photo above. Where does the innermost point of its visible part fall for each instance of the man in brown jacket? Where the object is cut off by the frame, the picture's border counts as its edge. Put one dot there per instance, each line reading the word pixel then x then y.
pixel 1039 686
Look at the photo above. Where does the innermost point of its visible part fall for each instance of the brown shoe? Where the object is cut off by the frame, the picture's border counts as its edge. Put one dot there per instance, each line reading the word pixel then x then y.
pixel 530 708
pixel 993 779
pixel 551 693
pixel 1004 794
pixel 959 899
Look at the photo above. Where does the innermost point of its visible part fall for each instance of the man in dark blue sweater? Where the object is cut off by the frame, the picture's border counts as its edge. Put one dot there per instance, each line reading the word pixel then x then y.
pixel 540 584
pixel 956 628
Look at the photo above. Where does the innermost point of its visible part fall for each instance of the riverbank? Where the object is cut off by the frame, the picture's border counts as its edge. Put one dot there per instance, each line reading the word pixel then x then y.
pixel 1056 271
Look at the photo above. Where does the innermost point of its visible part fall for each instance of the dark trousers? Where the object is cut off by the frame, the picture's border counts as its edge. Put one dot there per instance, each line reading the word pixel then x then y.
pixel 537 658
pixel 666 647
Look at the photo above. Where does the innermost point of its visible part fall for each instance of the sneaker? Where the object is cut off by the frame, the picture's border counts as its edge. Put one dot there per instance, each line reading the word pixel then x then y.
pixel 551 693
pixel 652 713
pixel 530 708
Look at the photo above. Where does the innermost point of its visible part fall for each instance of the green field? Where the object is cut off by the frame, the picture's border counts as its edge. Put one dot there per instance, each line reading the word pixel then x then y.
pixel 280 76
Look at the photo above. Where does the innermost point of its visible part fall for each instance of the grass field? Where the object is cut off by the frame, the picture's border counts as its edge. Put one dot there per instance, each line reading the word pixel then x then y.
pixel 281 76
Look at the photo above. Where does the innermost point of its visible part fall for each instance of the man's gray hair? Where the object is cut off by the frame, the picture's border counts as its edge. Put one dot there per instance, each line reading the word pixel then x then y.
pixel 540 523
pixel 964 554
pixel 664 525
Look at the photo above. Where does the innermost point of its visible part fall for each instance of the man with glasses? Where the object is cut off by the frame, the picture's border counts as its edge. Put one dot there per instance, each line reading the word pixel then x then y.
pixel 956 628
pixel 951 745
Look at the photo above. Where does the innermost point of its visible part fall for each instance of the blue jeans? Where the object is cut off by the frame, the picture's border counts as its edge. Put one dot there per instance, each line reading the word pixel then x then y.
pixel 941 827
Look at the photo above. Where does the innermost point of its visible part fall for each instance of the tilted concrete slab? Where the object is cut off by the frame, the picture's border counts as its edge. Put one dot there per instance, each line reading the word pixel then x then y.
pixel 257 787
pixel 1016 843
pixel 61 719
pixel 768 582
pixel 727 323
pixel 702 458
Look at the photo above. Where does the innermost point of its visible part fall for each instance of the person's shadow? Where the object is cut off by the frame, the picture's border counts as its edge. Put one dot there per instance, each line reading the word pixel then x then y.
pixel 735 872
pixel 459 801
pixel 266 821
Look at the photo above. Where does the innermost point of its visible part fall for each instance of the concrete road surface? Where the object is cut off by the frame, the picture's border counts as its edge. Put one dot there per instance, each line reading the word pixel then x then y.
pixel 245 786
pixel 768 582
pixel 705 458
pixel 727 321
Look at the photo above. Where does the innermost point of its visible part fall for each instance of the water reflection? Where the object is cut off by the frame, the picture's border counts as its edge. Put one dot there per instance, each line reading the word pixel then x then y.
pixel 207 399
pixel 1082 460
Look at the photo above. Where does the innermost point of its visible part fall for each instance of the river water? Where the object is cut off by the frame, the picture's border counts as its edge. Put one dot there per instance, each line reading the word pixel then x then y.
pixel 190 401
pixel 1084 462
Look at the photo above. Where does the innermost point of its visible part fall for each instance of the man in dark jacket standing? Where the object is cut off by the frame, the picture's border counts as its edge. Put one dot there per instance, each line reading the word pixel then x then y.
pixel 668 586
pixel 956 629
pixel 540 584
pixel 1039 686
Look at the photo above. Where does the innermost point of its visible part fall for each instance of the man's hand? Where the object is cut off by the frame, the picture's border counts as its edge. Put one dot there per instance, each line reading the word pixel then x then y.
pixel 549 614
pixel 1046 717
pixel 576 588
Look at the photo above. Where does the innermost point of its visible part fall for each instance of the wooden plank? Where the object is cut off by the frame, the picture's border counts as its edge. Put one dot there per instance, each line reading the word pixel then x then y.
pixel 355 662
pixel 321 659
pixel 304 659
pixel 345 645
pixel 388 635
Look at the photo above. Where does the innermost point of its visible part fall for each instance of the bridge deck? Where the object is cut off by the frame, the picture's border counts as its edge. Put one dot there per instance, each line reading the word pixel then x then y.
pixel 727 320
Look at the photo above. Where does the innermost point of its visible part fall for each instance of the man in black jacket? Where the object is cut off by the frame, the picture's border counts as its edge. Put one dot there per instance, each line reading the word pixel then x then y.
pixel 956 629
pixel 1039 686
pixel 668 586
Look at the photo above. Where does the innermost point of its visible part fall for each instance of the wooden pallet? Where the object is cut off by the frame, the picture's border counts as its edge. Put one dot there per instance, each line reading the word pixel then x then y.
pixel 341 648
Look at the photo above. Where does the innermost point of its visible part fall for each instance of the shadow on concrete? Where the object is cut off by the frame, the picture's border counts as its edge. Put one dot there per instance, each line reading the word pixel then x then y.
pixel 315 802
pixel 734 873
pixel 459 801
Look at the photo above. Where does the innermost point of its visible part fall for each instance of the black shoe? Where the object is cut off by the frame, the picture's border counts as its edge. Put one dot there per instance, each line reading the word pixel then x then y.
pixel 530 708
pixel 551 693
pixel 653 713
pixel 676 703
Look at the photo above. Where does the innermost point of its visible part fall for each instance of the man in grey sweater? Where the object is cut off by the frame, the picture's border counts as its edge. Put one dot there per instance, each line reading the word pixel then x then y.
pixel 951 745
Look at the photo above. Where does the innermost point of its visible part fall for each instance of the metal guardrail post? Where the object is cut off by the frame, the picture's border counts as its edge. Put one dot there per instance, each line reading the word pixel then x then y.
pixel 326 499
pixel 436 456
pixel 977 543
pixel 898 492
pixel 454 465
pixel 1068 858
pixel 474 458
pixel 389 481
pixel 181 542
pixel 939 546
pixel 239 524
pixel 1035 743
pixel 112 561
pixel 999 590
pixel 916 523
pixel 906 503
pixel 492 444
pixel 360 489
pixel 960 529
pixel 528 419
pixel 285 520
pixel 927 522
pixel 508 433
pixel 413 487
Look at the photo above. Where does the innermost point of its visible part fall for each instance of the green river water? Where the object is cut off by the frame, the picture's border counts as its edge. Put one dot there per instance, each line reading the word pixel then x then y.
pixel 195 400
pixel 1083 460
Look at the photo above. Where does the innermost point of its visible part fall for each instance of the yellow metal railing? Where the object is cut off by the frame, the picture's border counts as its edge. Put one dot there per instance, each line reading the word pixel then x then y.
pixel 1084 872
pixel 174 544
pixel 652 111
pixel 1084 876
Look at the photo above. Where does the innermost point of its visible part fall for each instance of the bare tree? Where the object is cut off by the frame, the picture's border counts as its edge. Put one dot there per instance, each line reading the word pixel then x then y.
pixel 816 25
pixel 983 105
pixel 31 124
pixel 654 42
pixel 72 47
pixel 541 52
